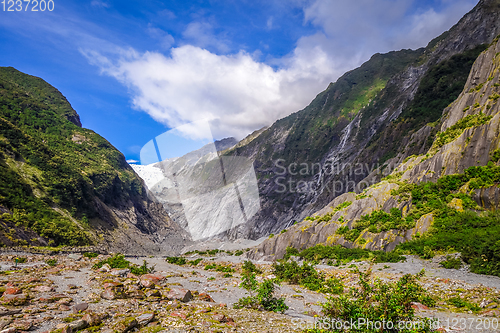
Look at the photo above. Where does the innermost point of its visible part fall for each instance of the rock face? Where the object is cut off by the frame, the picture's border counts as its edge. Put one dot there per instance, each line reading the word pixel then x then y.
pixel 71 186
pixel 306 160
pixel 456 148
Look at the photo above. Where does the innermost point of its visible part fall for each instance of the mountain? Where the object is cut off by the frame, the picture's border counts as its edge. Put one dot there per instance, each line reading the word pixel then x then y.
pixel 61 184
pixel 364 124
pixel 444 199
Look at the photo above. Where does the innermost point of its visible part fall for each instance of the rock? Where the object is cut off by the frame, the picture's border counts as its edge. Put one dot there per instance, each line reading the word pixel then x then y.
pixel 418 306
pixel 64 307
pixel 119 272
pixel 75 256
pixel 66 329
pixel 11 290
pixel 137 294
pixel 109 294
pixel 19 299
pixel 80 307
pixel 22 325
pixel 150 280
pixel 92 319
pixel 222 318
pixel 178 314
pixel 5 322
pixel 72 286
pixel 9 330
pixel 153 293
pixel 8 312
pixel 43 289
pixel 205 297
pixel 180 294
pixel 492 313
pixel 145 318
pixel 78 325
pixel 105 268
pixel 125 325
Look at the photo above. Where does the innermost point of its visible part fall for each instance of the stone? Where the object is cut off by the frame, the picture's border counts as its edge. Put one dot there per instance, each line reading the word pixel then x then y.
pixel 43 289
pixel 153 293
pixel 92 319
pixel 64 307
pixel 8 312
pixel 205 297
pixel 11 290
pixel 125 325
pixel 75 256
pixel 178 314
pixel 108 294
pixel 137 294
pixel 150 280
pixel 180 294
pixel 120 272
pixel 418 306
pixel 78 325
pixel 105 268
pixel 66 329
pixel 22 325
pixel 19 299
pixel 145 318
pixel 80 307
pixel 9 330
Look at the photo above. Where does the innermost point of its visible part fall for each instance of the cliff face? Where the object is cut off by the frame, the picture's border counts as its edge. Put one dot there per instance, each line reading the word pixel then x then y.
pixel 61 184
pixel 355 129
pixel 465 152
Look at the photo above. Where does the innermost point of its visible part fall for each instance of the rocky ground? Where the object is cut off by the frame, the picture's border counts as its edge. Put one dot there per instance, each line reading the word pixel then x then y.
pixel 70 296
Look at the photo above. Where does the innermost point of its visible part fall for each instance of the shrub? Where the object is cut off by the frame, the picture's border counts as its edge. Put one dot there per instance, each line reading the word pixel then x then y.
pixel 461 303
pixel 90 255
pixel 249 267
pixel 451 263
pixel 377 301
pixel 51 262
pixel 119 261
pixel 261 295
pixel 176 260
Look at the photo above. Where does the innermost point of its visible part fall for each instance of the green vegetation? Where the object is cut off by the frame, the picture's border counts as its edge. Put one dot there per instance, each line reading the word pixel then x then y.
pixel 219 268
pixel 453 132
pixel 461 303
pixel 119 261
pixel 249 267
pixel 306 275
pixel 176 260
pixel 476 236
pixel 378 221
pixel 261 295
pixel 342 254
pixel 328 216
pixel 90 255
pixel 47 160
pixel 378 301
pixel 451 263
pixel 51 262
pixel 439 87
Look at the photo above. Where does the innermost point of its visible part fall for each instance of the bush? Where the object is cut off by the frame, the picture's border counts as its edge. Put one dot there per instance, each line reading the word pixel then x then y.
pixel 249 267
pixel 90 255
pixel 119 261
pixel 378 301
pixel 262 295
pixel 51 262
pixel 451 263
pixel 461 303
pixel 176 260
pixel 307 276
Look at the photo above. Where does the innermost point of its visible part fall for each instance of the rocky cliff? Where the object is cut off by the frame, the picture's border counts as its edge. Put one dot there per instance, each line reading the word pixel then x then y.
pixel 458 173
pixel 358 126
pixel 61 184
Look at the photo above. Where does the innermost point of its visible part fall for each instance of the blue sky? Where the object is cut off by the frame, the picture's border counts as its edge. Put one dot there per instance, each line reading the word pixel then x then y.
pixel 133 69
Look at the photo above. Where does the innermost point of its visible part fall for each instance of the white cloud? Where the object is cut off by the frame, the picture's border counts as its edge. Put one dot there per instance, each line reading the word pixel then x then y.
pixel 165 39
pixel 236 93
pixel 132 161
pixel 202 34
pixel 98 3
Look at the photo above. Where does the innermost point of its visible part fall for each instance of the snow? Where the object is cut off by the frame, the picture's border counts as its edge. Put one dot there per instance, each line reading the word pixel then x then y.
pixel 151 174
